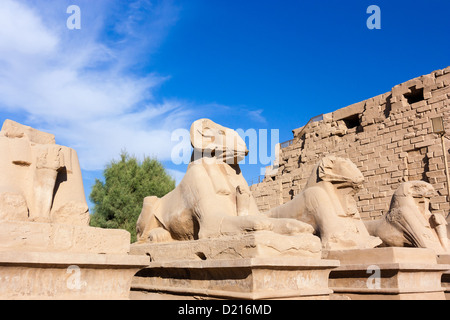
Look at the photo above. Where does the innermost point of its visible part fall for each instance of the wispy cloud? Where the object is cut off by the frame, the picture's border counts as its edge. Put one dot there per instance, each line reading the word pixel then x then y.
pixel 88 88
pixel 92 87
pixel 256 115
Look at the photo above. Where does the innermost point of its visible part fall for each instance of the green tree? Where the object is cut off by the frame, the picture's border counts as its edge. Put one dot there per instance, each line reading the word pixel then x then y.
pixel 118 199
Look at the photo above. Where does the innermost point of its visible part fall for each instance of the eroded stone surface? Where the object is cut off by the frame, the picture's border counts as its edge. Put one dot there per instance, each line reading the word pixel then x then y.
pixel 40 181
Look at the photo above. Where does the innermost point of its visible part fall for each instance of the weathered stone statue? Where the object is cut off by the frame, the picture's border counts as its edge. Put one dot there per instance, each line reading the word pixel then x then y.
pixel 327 203
pixel 211 222
pixel 213 199
pixel 409 222
pixel 47 248
pixel 40 181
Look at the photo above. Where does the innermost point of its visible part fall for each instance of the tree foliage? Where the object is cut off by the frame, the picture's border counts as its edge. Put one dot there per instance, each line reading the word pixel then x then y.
pixel 118 199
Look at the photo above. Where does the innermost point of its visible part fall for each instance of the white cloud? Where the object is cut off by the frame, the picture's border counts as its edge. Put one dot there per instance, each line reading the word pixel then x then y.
pixel 78 87
pixel 256 115
pixel 22 31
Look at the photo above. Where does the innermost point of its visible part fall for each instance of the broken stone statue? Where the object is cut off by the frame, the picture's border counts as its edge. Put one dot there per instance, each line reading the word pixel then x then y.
pixel 327 203
pixel 40 181
pixel 44 226
pixel 409 221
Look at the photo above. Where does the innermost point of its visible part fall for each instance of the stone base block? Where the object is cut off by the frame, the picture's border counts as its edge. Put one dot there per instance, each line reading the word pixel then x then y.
pixel 50 237
pixel 259 244
pixel 445 259
pixel 62 276
pixel 246 279
pixel 387 273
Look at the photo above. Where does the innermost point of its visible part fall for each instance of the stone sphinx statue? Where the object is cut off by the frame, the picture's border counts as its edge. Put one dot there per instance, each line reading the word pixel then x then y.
pixel 213 199
pixel 409 222
pixel 327 203
pixel 40 181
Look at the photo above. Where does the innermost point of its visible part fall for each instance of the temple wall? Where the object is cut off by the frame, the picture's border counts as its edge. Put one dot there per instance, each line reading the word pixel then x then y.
pixel 389 137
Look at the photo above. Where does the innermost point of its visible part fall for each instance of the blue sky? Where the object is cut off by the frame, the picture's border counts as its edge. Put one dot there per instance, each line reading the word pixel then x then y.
pixel 138 70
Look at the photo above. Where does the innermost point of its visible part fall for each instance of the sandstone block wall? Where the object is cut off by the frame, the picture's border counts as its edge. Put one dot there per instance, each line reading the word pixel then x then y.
pixel 389 137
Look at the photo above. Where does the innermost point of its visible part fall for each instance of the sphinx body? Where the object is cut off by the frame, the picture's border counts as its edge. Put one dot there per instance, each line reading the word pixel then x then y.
pixel 213 199
pixel 409 221
pixel 327 203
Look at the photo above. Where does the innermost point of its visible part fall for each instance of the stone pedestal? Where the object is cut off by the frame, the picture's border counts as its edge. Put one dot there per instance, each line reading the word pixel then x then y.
pixel 242 279
pixel 56 261
pixel 62 276
pixel 387 274
pixel 261 244
pixel 255 266
pixel 445 259
pixel 52 237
